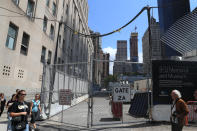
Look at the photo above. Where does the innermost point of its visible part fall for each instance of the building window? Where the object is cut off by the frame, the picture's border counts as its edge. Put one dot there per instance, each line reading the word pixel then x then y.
pixel 67 9
pixel 72 37
pixel 54 9
pixel 59 41
pixel 30 8
pixel 59 62
pixel 63 3
pixel 16 2
pixel 52 32
pixel 49 57
pixel 62 65
pixel 45 24
pixel 25 44
pixel 47 2
pixel 63 46
pixel 43 54
pixel 11 37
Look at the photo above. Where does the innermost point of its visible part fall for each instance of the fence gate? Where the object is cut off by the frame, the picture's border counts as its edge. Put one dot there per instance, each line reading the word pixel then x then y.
pixel 72 79
pixel 105 112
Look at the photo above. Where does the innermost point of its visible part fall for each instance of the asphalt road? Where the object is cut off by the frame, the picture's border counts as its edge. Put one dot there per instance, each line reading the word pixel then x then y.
pixel 75 119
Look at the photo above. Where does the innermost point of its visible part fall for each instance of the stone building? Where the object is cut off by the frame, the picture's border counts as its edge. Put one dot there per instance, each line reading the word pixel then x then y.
pixel 134 47
pixel 156 45
pixel 28 42
pixel 121 64
pixel 106 57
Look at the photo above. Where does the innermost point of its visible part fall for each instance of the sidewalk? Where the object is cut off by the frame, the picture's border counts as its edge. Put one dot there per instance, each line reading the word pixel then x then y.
pixel 3 121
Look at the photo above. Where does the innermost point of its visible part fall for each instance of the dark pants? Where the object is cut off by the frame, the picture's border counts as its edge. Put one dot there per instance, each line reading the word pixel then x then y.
pixel 176 127
pixel 34 116
pixel 2 109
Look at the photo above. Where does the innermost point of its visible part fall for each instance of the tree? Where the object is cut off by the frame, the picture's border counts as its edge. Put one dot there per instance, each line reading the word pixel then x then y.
pixel 110 78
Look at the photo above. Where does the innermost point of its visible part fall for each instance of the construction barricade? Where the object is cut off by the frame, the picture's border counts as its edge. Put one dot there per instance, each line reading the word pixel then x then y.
pixel 192 116
pixel 116 109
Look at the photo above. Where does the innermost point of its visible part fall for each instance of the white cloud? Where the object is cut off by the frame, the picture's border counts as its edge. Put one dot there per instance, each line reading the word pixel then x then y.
pixel 112 53
pixel 140 57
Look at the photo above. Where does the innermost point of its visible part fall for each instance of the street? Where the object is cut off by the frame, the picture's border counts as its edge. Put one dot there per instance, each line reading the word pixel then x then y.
pixel 75 119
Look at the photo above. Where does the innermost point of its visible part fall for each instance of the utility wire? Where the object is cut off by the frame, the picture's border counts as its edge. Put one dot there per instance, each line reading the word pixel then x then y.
pixel 76 32
pixel 90 35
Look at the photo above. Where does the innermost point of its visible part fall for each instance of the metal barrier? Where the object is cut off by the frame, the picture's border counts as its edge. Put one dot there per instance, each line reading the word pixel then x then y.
pixel 192 116
pixel 63 76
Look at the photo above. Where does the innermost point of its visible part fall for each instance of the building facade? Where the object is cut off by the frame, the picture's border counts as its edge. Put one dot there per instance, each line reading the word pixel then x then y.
pixel 134 47
pixel 106 58
pixel 123 67
pixel 76 48
pixel 174 10
pixel 121 50
pixel 98 55
pixel 156 45
pixel 28 43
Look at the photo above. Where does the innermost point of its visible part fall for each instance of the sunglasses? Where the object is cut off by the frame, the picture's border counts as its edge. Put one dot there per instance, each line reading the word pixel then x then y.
pixel 23 94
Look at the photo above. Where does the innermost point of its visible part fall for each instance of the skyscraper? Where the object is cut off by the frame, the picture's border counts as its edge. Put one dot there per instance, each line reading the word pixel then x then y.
pixel 121 55
pixel 156 45
pixel 134 47
pixel 169 12
pixel 121 50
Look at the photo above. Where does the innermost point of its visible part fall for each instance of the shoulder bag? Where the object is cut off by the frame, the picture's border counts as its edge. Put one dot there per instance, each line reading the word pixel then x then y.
pixel 20 125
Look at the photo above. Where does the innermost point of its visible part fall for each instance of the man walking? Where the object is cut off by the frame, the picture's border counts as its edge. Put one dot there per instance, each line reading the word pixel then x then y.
pixel 179 111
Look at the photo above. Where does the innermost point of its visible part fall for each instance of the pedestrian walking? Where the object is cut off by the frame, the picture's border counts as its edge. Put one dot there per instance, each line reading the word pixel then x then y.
pixel 35 110
pixel 17 91
pixel 9 104
pixel 195 97
pixel 3 101
pixel 179 111
pixel 19 112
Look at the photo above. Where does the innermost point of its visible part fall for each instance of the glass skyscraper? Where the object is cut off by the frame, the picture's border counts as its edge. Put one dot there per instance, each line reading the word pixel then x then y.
pixel 169 12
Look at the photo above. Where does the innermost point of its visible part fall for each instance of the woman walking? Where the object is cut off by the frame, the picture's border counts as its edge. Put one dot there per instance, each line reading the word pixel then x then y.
pixel 9 104
pixel 19 112
pixel 179 111
pixel 35 110
pixel 3 101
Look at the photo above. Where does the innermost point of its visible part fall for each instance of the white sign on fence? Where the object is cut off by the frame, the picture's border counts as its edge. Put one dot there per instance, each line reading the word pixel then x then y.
pixel 122 94
pixel 65 97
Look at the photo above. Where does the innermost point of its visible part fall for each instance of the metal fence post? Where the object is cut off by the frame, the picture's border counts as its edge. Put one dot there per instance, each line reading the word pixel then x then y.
pixel 90 98
pixel 43 89
pixel 150 64
pixel 91 84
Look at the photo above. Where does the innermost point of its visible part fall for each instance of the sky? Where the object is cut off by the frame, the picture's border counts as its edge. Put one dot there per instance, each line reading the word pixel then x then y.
pixel 108 15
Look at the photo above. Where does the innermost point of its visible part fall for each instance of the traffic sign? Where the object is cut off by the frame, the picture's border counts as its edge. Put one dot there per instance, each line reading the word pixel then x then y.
pixel 122 94
pixel 65 96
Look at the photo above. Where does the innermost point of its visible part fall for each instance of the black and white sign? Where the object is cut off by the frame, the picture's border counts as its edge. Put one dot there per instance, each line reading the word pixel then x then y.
pixel 65 96
pixel 169 75
pixel 122 94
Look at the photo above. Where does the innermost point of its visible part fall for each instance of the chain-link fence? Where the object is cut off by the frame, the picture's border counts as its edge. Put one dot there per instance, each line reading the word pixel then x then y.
pixel 73 77
pixel 105 110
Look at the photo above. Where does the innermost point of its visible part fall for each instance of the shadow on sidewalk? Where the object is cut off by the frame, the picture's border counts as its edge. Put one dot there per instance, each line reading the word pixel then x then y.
pixel 53 127
pixel 3 122
pixel 72 127
pixel 60 126
pixel 139 125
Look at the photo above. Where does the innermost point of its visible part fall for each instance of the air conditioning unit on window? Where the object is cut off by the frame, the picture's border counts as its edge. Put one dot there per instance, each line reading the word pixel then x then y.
pixel 30 14
pixel 45 28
